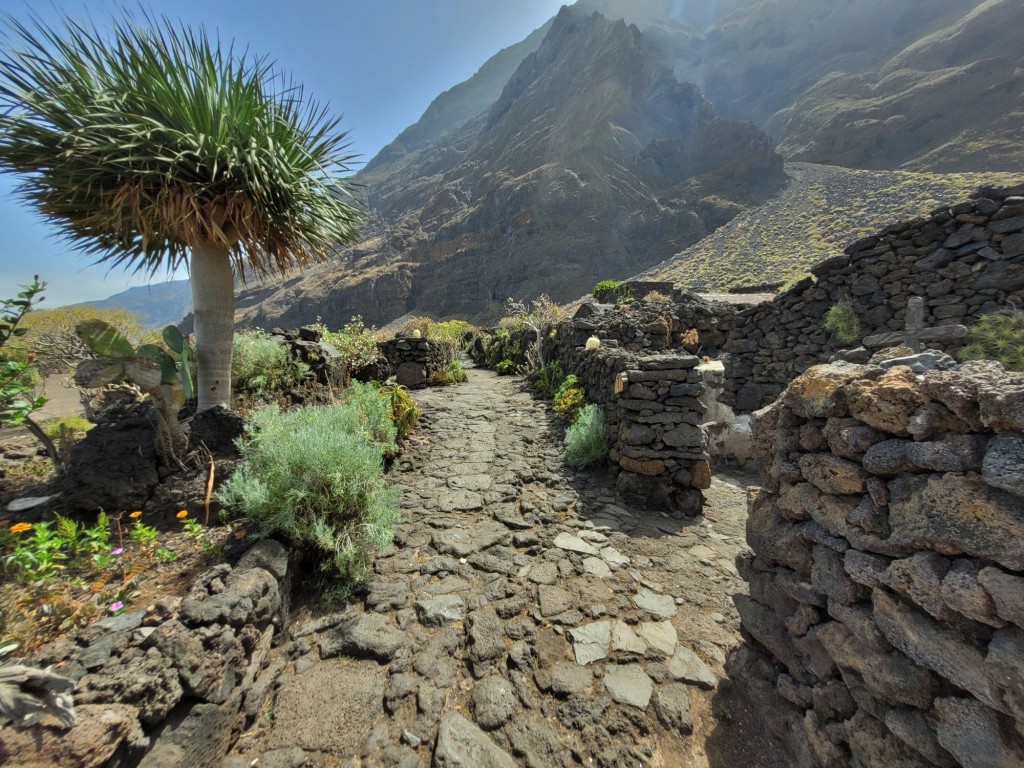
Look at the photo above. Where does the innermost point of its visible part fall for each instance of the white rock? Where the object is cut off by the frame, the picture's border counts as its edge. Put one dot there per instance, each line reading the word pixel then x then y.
pixel 590 642
pixel 625 640
pixel 29 502
pixel 629 684
pixel 595 566
pixel 573 544
pixel 661 606
pixel 659 635
pixel 687 666
pixel 614 557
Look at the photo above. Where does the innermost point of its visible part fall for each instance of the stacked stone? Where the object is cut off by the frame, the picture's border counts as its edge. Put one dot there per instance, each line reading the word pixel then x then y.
pixel 648 326
pixel 171 684
pixel 413 359
pixel 887 575
pixel 966 260
pixel 659 446
pixel 324 360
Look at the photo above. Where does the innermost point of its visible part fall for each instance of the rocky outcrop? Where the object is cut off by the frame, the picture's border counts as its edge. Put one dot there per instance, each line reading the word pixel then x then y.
pixel 888 557
pixel 171 684
pixel 594 161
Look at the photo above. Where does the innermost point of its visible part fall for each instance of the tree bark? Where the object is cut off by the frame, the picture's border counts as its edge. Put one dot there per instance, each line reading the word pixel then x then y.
pixel 213 304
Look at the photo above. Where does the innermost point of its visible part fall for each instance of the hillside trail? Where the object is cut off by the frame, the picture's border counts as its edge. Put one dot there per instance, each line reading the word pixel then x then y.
pixel 521 617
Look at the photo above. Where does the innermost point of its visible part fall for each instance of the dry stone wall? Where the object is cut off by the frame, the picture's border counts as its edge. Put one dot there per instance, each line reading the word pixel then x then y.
pixel 886 605
pixel 965 260
pixel 413 360
pixel 648 388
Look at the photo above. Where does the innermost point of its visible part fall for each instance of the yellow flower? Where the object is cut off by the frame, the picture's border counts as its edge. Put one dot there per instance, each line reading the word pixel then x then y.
pixel 21 527
pixel 136 514
pixel 182 514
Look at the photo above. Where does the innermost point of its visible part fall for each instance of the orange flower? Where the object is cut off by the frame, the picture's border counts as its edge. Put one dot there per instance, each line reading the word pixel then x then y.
pixel 182 514
pixel 21 527
pixel 136 514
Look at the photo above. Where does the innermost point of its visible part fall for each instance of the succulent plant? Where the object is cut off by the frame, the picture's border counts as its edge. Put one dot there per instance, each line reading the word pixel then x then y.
pixel 164 375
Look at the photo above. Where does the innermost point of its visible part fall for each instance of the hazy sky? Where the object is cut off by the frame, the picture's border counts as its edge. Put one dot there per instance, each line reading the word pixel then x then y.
pixel 379 63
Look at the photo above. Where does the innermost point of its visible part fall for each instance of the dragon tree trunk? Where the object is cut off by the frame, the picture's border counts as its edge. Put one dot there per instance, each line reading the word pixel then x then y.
pixel 213 303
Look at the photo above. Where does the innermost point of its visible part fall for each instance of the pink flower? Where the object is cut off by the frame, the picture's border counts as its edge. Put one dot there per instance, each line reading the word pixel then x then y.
pixel 116 551
pixel 116 606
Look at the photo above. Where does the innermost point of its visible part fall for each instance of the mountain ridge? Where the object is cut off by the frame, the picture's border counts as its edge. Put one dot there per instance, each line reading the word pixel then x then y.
pixel 593 151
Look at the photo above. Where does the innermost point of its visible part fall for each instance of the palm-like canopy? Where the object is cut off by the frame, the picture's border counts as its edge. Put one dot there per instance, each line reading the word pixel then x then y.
pixel 152 145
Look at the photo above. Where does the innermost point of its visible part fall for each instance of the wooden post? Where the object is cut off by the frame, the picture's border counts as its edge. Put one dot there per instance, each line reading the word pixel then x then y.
pixel 916 332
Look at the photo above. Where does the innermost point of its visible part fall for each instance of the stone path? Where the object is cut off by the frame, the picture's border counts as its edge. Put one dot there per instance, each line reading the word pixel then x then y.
pixel 522 617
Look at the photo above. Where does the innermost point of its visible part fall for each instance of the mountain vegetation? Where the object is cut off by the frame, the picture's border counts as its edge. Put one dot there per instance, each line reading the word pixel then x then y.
pixel 821 210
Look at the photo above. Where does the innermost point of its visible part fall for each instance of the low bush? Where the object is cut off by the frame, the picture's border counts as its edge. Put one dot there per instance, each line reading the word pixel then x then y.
pixel 70 424
pixel 569 399
pixel 315 476
pixel 547 379
pixel 452 331
pixel 355 341
pixel 841 321
pixel 998 337
pixel 260 364
pixel 506 367
pixel 404 411
pixel 584 439
pixel 605 290
pixel 453 374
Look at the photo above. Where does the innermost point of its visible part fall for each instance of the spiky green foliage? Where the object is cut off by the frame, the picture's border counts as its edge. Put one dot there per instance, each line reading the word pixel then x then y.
pixel 547 379
pixel 315 476
pixel 998 337
pixel 585 442
pixel 404 411
pixel 260 364
pixel 506 367
pixel 141 143
pixel 841 321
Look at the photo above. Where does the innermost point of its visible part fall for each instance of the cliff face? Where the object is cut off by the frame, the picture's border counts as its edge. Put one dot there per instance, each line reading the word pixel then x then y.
pixel 593 162
pixel 586 152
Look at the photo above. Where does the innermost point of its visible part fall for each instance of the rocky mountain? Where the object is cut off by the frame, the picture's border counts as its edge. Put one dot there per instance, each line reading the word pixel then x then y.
pixel 594 161
pixel 158 304
pixel 822 209
pixel 601 145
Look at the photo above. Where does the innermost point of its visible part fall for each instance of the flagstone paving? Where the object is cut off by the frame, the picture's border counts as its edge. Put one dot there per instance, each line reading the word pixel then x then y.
pixel 522 616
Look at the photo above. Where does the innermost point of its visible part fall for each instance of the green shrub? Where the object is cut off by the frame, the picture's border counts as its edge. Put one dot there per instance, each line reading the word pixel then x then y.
pixel 79 424
pixel 404 411
pixel 841 321
pixel 997 337
pixel 315 476
pixel 453 374
pixel 569 399
pixel 605 290
pixel 260 364
pixel 456 372
pixel 372 413
pixel 452 331
pixel 506 367
pixel 584 439
pixel 547 379
pixel 356 343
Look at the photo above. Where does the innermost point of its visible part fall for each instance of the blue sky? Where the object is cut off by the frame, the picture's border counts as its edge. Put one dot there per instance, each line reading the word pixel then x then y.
pixel 379 63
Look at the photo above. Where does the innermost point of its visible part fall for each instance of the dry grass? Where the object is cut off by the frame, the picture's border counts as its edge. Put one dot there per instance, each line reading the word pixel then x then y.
pixel 822 210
